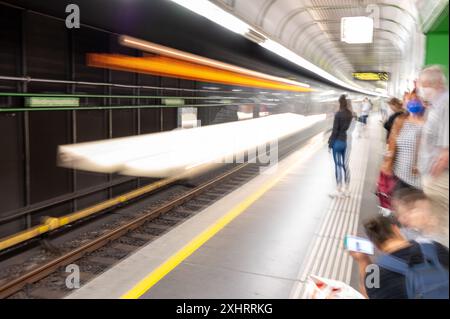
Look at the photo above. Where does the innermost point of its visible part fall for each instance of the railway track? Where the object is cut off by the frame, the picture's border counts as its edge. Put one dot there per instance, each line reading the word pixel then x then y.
pixel 95 255
pixel 133 234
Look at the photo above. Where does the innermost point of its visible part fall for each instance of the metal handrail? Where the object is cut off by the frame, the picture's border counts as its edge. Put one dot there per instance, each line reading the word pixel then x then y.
pixel 120 96
pixel 30 79
pixel 86 108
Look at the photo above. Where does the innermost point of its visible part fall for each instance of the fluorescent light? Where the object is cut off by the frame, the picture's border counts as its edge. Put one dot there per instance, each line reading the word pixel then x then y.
pixel 227 20
pixel 158 49
pixel 215 14
pixel 357 30
pixel 284 52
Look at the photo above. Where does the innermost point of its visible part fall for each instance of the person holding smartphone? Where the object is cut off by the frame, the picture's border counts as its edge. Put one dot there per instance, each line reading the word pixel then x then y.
pixel 385 234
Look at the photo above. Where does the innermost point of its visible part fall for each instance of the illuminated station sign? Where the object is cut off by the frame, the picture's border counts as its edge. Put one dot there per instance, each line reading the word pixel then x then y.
pixel 371 76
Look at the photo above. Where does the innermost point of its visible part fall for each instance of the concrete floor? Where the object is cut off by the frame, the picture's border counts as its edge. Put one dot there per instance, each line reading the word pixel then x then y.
pixel 263 252
pixel 266 251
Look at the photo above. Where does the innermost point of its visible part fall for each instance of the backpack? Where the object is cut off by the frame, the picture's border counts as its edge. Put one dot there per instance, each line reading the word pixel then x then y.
pixel 428 280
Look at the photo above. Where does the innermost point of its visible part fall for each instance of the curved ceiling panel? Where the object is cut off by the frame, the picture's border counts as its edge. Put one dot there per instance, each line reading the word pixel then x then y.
pixel 311 28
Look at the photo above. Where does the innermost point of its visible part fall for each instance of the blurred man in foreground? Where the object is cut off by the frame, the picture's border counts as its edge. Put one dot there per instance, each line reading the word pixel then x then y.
pixel 407 269
pixel 433 150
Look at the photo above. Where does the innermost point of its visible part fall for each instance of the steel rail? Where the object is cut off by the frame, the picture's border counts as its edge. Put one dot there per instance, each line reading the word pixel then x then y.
pixel 53 223
pixel 43 271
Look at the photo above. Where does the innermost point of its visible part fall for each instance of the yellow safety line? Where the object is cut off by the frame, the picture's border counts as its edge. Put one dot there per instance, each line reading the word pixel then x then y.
pixel 155 276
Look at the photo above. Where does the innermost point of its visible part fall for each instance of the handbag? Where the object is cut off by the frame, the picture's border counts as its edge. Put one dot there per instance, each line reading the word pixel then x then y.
pixel 385 188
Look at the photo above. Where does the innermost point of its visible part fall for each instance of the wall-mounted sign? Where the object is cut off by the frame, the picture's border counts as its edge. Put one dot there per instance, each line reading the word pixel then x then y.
pixel 173 102
pixel 187 117
pixel 371 76
pixel 38 101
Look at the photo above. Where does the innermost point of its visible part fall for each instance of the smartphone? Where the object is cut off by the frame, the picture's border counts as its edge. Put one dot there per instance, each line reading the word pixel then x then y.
pixel 358 244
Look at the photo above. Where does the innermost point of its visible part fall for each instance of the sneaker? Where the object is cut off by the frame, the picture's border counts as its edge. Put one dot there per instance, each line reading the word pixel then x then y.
pixel 336 194
pixel 345 191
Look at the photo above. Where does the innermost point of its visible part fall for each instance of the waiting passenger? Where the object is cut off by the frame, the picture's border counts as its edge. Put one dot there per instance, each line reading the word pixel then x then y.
pixel 338 144
pixel 365 110
pixel 397 107
pixel 433 154
pixel 404 140
pixel 384 112
pixel 407 269
pixel 412 209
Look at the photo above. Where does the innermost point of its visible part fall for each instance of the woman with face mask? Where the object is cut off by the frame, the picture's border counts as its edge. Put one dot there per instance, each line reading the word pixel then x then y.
pixel 403 144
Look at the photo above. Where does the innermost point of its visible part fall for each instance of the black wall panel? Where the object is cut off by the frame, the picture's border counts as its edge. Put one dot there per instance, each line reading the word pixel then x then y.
pixel 91 126
pixel 123 123
pixel 47 131
pixel 150 121
pixel 47 47
pixel 85 41
pixel 10 30
pixel 170 118
pixel 11 162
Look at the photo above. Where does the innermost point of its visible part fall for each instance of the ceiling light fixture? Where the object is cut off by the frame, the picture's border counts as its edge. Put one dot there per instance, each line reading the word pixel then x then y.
pixel 212 12
pixel 356 30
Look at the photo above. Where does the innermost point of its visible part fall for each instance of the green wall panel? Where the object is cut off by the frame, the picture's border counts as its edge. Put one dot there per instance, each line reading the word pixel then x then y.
pixel 437 49
pixel 437 42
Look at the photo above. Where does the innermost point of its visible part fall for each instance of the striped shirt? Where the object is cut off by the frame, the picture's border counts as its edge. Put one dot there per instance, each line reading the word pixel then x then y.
pixel 405 153
pixel 435 133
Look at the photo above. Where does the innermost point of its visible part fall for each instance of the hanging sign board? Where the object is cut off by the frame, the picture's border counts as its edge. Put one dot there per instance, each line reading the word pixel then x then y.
pixel 371 76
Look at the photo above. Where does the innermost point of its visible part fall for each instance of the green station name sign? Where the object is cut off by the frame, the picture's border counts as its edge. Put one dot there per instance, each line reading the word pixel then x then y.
pixel 38 101
pixel 173 102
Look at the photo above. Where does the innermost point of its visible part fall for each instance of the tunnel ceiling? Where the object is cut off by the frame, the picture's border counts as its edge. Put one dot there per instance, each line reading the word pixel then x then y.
pixel 309 27
pixel 312 29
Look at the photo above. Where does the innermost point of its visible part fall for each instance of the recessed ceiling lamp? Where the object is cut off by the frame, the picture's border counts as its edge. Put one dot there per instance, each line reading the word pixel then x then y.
pixel 215 14
pixel 356 30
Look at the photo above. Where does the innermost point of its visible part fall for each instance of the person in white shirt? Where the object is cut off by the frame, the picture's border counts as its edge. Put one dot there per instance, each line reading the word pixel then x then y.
pixel 365 110
pixel 433 150
pixel 366 106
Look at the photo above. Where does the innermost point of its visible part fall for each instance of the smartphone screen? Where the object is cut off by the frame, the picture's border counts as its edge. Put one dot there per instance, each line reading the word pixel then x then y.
pixel 358 244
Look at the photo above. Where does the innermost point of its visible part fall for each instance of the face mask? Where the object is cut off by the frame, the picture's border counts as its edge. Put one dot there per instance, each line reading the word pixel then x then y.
pixel 427 93
pixel 415 107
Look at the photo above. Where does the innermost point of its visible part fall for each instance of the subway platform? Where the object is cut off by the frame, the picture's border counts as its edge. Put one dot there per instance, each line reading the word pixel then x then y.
pixel 262 240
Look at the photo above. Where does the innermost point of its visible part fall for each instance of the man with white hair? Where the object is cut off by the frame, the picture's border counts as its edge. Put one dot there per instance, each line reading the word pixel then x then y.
pixel 433 151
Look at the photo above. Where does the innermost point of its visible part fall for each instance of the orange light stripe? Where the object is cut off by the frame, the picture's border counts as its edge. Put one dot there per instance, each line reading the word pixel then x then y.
pixel 159 65
pixel 159 49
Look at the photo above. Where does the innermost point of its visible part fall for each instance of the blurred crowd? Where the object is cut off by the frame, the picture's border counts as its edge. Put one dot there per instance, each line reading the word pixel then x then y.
pixel 411 232
pixel 413 187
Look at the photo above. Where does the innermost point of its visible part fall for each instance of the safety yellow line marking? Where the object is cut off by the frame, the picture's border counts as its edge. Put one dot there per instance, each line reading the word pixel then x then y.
pixel 154 277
